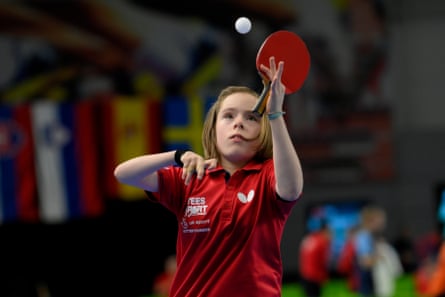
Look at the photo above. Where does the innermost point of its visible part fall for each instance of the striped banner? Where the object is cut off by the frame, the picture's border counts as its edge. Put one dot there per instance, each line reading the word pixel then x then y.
pixel 18 191
pixel 66 155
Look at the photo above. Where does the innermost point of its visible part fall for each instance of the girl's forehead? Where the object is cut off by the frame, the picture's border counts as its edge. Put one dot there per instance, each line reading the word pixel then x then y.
pixel 239 100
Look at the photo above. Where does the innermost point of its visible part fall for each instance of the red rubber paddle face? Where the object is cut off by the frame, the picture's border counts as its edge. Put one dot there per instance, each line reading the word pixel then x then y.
pixel 288 47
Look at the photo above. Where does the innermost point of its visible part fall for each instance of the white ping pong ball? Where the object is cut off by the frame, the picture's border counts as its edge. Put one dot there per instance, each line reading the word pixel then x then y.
pixel 243 25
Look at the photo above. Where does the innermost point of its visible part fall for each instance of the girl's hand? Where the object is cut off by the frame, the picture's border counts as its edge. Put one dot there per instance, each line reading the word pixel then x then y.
pixel 194 163
pixel 277 89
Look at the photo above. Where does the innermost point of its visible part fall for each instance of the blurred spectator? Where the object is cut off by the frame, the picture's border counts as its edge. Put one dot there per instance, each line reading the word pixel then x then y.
pixel 162 283
pixel 436 284
pixel 428 244
pixel 314 260
pixel 373 220
pixel 423 275
pixel 386 269
pixel 345 263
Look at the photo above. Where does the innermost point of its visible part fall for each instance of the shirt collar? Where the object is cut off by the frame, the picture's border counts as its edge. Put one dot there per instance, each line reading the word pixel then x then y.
pixel 253 165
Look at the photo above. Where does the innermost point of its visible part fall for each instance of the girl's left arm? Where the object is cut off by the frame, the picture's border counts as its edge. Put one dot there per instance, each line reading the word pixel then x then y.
pixel 288 172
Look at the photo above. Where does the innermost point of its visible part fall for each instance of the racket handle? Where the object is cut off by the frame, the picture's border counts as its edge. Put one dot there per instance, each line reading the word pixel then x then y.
pixel 260 106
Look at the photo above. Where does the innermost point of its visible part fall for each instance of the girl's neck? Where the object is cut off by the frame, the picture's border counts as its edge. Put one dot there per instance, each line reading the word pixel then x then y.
pixel 231 167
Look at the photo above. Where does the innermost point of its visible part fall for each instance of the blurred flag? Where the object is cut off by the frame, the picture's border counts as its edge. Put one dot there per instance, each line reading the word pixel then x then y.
pixel 18 193
pixel 184 115
pixel 131 127
pixel 183 122
pixel 66 155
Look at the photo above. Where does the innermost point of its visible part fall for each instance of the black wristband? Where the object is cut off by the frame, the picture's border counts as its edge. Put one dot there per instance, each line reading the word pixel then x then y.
pixel 178 155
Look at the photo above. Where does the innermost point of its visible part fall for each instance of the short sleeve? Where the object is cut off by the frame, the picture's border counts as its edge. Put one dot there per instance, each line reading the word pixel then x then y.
pixel 171 189
pixel 284 206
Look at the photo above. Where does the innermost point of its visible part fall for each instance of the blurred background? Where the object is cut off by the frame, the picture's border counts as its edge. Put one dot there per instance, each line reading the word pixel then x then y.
pixel 85 85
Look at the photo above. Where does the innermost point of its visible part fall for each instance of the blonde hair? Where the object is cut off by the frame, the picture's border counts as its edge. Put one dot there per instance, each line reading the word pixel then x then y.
pixel 209 134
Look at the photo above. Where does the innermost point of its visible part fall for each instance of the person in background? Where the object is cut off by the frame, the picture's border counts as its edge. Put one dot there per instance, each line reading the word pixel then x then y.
pixel 314 260
pixel 345 262
pixel 436 284
pixel 386 269
pixel 422 275
pixel 373 221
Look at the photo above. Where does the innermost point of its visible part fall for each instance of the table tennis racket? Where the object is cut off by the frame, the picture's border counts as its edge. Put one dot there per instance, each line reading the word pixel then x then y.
pixel 288 47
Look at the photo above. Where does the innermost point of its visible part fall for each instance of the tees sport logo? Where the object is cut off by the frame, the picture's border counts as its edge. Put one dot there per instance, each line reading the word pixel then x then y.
pixel 246 199
pixel 196 206
pixel 194 220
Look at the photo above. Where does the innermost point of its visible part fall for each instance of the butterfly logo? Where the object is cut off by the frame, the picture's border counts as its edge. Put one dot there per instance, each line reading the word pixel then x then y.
pixel 246 199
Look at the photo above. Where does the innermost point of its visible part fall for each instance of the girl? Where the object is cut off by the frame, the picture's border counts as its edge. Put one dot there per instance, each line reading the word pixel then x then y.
pixel 232 204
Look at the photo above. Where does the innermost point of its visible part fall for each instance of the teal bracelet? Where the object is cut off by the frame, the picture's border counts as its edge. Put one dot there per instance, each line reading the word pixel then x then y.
pixel 275 115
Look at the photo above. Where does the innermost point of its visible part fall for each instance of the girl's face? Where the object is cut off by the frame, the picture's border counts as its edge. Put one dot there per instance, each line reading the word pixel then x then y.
pixel 237 129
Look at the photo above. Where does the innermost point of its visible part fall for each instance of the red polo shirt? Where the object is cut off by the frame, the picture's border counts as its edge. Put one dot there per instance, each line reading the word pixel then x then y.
pixel 229 231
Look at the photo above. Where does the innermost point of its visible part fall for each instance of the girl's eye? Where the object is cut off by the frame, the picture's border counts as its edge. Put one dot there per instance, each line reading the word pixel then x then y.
pixel 227 115
pixel 252 118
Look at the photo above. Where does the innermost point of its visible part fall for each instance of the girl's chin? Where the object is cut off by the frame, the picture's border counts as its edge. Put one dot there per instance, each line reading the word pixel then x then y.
pixel 238 155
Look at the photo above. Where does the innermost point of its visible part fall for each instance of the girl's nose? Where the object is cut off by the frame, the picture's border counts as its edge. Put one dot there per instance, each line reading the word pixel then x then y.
pixel 238 123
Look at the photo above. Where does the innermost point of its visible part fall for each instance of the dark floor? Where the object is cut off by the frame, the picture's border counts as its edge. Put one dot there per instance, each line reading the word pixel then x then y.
pixel 118 254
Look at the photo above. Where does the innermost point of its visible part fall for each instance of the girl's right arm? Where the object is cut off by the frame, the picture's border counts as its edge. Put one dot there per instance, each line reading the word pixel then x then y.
pixel 141 172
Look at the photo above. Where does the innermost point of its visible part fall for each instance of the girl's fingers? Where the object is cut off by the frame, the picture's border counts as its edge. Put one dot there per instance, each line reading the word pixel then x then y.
pixel 272 71
pixel 200 169
pixel 189 176
pixel 189 167
pixel 193 163
pixel 210 164
pixel 197 167
pixel 187 171
pixel 280 70
pixel 266 70
pixel 272 65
